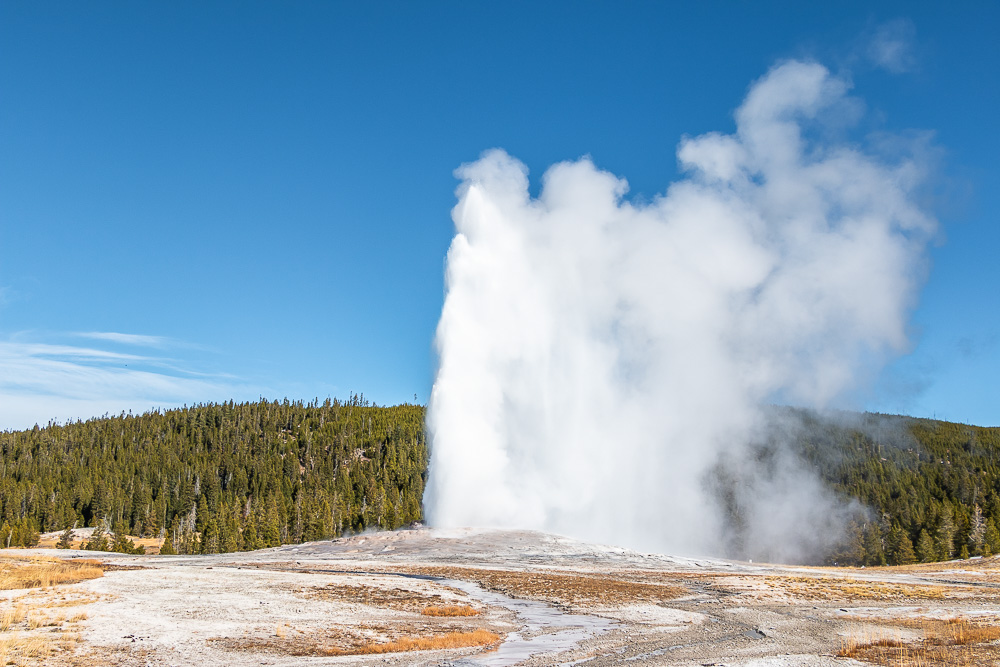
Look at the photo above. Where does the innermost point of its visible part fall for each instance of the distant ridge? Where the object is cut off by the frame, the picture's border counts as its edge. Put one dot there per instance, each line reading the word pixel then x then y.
pixel 228 477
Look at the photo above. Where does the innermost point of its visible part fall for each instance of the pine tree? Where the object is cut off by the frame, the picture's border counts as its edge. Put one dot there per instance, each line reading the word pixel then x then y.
pixel 167 548
pixel 991 539
pixel 874 548
pixel 926 549
pixel 121 543
pixel 906 554
pixel 210 537
pixel 98 540
pixel 271 531
pixel 65 539
pixel 944 536
pixel 6 535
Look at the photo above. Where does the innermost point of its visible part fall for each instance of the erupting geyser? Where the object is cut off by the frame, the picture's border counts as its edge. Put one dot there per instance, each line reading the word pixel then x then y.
pixel 600 359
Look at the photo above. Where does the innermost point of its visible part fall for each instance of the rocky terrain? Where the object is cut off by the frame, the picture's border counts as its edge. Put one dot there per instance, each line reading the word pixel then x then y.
pixel 467 597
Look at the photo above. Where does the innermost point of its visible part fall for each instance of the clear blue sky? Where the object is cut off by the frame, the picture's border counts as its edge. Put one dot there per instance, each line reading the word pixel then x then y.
pixel 257 194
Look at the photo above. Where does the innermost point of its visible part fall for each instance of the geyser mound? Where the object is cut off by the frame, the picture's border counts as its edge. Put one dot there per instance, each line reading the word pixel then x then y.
pixel 603 364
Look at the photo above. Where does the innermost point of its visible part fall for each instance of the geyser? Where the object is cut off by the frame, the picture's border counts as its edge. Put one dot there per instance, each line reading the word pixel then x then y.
pixel 603 364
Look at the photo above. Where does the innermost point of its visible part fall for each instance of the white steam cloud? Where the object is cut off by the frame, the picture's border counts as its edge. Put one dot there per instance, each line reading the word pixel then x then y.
pixel 603 364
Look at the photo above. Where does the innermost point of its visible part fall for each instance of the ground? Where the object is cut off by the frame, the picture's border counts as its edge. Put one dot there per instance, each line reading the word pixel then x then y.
pixel 467 597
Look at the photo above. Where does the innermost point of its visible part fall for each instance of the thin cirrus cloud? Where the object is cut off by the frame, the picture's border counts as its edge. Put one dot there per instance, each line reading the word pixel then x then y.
pixel 40 382
pixel 137 340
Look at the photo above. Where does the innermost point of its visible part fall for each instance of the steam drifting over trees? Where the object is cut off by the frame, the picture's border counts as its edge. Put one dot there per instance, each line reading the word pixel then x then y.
pixel 603 362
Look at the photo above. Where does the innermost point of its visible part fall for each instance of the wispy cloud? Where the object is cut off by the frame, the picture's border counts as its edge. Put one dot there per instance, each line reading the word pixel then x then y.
pixel 137 340
pixel 891 46
pixel 40 382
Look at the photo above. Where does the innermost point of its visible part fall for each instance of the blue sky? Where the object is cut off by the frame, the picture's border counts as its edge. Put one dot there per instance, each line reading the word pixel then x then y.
pixel 205 201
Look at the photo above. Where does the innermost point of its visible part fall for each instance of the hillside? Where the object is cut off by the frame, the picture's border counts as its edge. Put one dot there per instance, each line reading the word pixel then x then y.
pixel 218 478
pixel 237 477
pixel 931 486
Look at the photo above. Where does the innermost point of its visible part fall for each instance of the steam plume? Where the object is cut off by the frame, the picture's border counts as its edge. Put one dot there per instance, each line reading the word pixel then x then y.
pixel 600 358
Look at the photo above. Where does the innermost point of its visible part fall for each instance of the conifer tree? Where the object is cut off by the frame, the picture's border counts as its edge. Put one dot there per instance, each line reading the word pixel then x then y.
pixel 926 549
pixel 991 539
pixel 65 539
pixel 98 540
pixel 905 554
pixel 944 536
pixel 167 548
pixel 122 543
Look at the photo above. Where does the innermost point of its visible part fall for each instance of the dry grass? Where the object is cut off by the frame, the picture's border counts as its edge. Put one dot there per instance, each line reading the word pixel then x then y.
pixel 478 637
pixel 30 631
pixel 40 572
pixel 991 563
pixel 39 620
pixel 152 544
pixel 55 597
pixel 339 643
pixel 944 643
pixel 374 596
pixel 19 649
pixel 561 588
pixel 819 588
pixel 12 616
pixel 450 610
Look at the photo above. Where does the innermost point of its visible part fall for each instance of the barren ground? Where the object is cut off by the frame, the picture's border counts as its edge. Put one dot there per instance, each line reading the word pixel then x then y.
pixel 428 597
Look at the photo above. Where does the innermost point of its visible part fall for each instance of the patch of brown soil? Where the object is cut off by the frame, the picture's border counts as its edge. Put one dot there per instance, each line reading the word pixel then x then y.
pixel 450 610
pixel 560 588
pixel 373 596
pixel 115 567
pixel 783 588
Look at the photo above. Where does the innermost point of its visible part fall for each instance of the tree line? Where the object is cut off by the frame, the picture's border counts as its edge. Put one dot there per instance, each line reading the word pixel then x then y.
pixel 930 489
pixel 217 477
pixel 236 477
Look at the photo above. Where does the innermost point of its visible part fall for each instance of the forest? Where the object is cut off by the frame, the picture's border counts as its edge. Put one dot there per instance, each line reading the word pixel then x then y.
pixel 929 488
pixel 220 477
pixel 235 477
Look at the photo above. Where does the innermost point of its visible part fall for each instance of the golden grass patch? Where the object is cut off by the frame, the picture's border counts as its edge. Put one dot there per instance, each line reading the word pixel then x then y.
pixel 477 637
pixel 151 544
pixel 30 631
pixel 41 572
pixel 944 643
pixel 450 610
pixel 343 643
pixel 12 616
pixel 18 649
pixel 836 588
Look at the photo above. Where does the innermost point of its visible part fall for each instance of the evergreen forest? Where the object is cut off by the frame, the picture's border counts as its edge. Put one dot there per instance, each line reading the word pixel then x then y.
pixel 217 478
pixel 236 477
pixel 931 489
